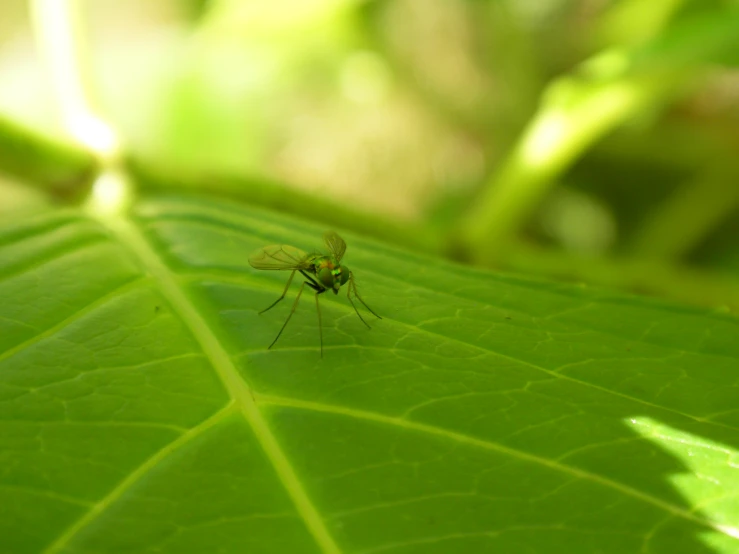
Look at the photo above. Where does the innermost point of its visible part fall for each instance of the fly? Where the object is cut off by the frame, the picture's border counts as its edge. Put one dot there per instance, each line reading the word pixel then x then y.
pixel 322 272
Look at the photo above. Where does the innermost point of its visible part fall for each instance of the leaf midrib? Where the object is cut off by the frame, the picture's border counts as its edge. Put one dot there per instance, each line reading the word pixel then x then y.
pixel 132 239
pixel 99 507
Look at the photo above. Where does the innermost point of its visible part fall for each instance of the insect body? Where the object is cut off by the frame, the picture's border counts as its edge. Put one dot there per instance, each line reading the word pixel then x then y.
pixel 322 272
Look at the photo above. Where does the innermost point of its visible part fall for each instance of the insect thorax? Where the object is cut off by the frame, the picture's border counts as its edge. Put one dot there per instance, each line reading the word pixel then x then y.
pixel 329 273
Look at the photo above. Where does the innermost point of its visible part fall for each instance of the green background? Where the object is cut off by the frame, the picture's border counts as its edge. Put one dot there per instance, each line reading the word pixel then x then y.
pixel 540 202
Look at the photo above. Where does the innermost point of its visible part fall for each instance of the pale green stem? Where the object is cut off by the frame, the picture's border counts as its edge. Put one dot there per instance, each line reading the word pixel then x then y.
pixel 59 32
pixel 577 111
pixel 60 169
pixel 572 117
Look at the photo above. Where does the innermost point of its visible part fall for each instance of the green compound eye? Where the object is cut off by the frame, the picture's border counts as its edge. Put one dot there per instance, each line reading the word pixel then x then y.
pixel 344 275
pixel 326 278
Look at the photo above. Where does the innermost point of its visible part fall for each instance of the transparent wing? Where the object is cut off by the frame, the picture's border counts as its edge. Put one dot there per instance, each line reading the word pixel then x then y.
pixel 335 244
pixel 279 256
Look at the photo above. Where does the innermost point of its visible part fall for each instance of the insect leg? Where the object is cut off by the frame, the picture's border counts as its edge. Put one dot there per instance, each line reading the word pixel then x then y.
pixel 295 305
pixel 284 292
pixel 353 285
pixel 313 283
pixel 320 289
pixel 320 325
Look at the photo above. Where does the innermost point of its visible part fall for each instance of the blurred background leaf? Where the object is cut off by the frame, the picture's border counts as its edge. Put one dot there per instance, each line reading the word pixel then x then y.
pixel 592 140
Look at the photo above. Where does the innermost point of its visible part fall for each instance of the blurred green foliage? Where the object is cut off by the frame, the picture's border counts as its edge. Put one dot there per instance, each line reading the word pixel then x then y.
pixel 585 139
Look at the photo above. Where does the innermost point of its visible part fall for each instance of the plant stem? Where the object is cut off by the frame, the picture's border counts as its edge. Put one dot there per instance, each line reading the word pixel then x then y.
pixel 60 169
pixel 59 32
pixel 576 111
pixel 572 117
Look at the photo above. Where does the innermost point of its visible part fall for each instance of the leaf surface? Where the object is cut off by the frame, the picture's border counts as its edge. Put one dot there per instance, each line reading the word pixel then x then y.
pixel 140 410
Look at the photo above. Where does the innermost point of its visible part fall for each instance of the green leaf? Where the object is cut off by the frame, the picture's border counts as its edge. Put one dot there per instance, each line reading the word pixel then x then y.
pixel 140 410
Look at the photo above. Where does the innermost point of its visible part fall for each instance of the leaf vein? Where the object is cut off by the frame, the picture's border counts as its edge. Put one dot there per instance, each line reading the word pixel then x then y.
pixel 672 510
pixel 79 314
pixel 135 240
pixel 134 477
